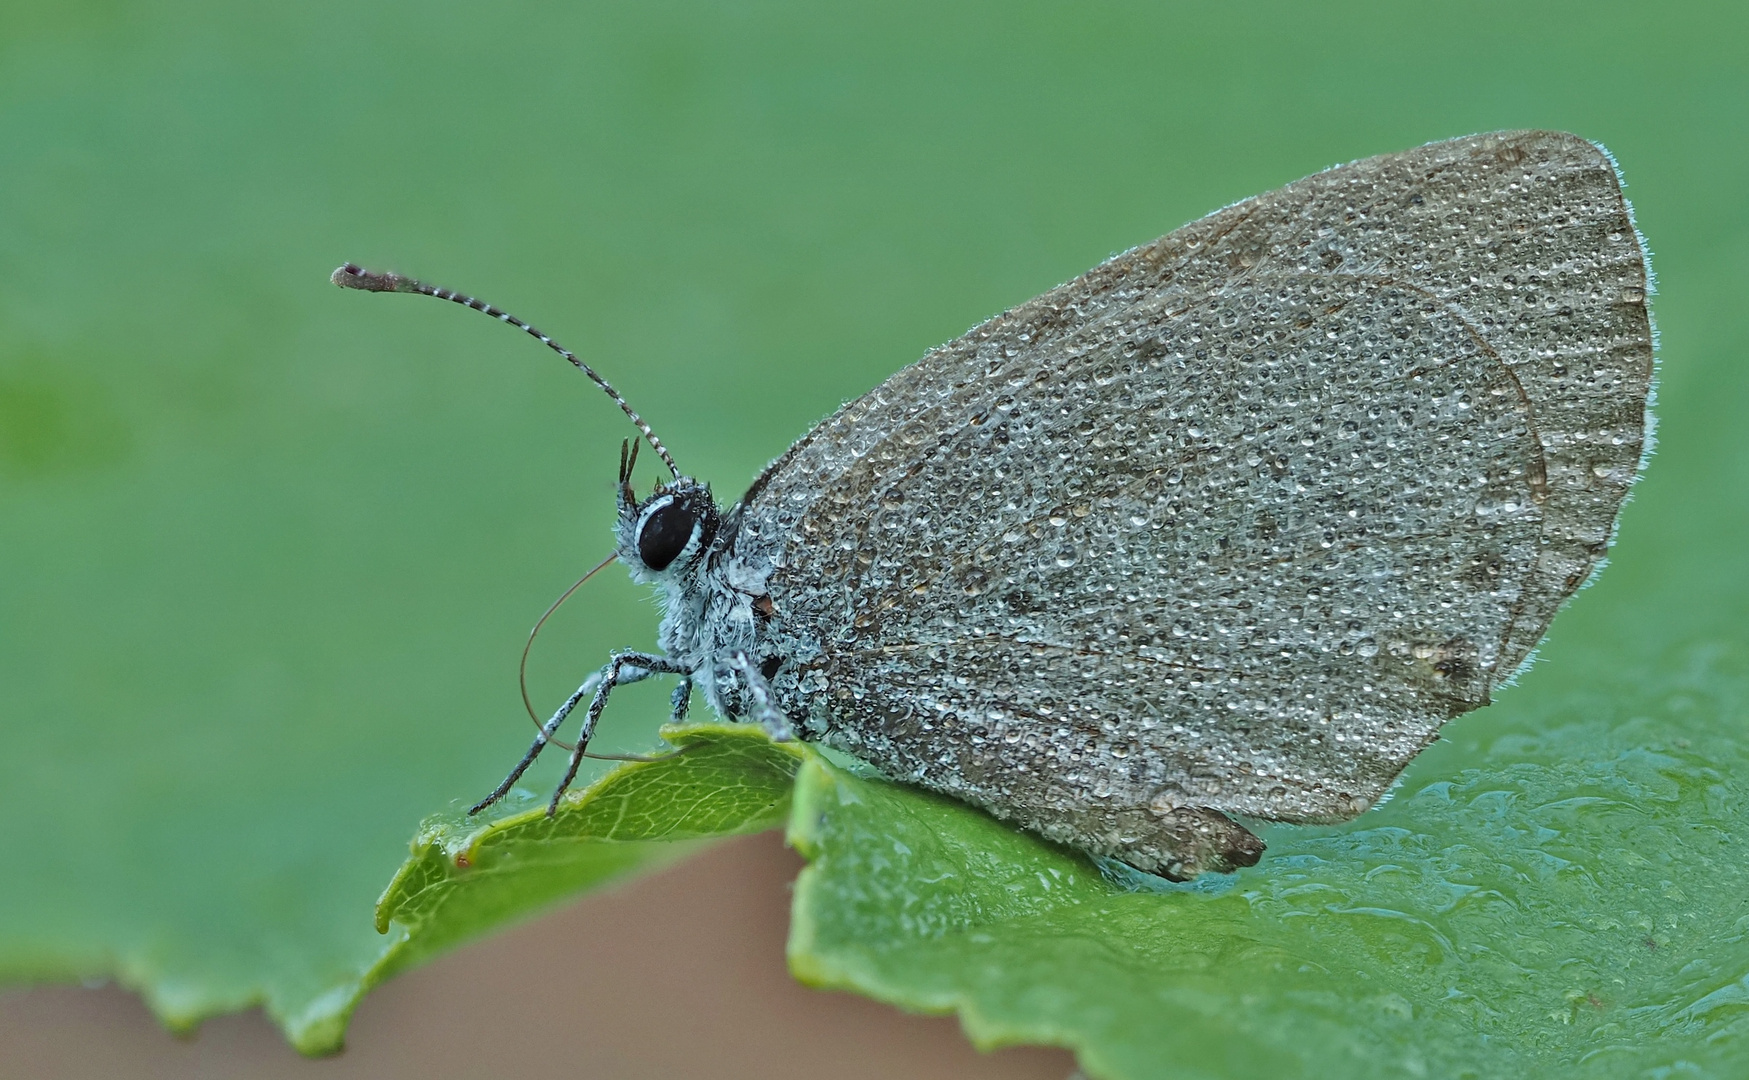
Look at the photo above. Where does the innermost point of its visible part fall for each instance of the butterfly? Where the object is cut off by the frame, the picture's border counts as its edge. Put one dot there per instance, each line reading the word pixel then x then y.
pixel 1228 526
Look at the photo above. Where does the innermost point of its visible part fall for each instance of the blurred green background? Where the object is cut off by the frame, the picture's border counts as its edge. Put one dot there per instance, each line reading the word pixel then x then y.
pixel 268 550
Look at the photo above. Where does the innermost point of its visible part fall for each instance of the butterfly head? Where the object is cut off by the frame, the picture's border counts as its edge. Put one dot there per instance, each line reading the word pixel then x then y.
pixel 662 536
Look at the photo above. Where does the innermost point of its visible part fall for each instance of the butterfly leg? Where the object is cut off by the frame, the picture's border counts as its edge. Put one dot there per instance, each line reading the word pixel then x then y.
pixel 626 667
pixel 540 741
pixel 775 723
pixel 678 703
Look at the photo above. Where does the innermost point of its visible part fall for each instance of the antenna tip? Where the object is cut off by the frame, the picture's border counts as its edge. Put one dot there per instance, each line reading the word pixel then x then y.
pixel 354 276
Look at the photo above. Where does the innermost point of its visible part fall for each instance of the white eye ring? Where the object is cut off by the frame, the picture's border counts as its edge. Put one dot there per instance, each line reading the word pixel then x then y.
pixel 649 512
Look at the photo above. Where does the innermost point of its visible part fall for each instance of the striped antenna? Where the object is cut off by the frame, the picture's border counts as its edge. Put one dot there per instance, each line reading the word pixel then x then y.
pixel 353 276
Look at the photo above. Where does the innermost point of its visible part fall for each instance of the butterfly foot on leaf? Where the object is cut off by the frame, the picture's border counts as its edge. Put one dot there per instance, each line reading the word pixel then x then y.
pixel 765 712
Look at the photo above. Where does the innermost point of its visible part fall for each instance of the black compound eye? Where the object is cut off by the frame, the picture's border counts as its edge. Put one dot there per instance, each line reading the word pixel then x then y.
pixel 664 534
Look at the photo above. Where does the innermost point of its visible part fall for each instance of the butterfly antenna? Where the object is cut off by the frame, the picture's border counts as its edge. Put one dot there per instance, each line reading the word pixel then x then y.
pixel 353 276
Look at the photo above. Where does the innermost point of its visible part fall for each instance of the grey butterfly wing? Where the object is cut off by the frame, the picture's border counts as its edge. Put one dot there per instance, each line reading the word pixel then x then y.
pixel 1234 522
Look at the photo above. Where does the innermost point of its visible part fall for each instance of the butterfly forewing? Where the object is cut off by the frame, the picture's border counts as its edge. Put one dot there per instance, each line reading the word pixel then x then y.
pixel 1238 519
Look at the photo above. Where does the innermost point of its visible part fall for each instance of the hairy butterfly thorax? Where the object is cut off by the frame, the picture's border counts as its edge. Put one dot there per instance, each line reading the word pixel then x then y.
pixel 675 539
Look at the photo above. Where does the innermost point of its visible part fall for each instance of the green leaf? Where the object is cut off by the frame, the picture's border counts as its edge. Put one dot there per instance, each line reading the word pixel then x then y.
pixel 466 877
pixel 1572 905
